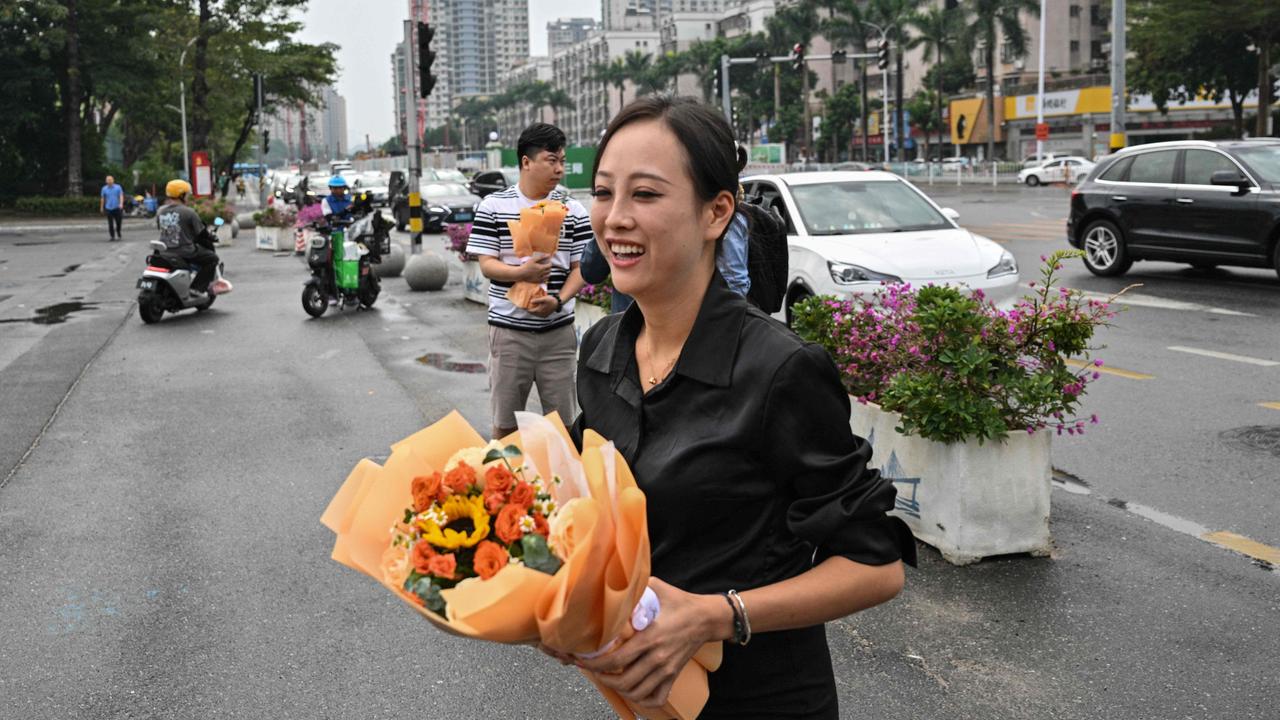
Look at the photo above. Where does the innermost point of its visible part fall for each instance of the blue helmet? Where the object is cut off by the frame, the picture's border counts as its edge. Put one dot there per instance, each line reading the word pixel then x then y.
pixel 337 181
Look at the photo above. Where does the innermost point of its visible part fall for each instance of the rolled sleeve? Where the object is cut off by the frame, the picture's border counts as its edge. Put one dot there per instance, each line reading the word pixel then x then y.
pixel 840 503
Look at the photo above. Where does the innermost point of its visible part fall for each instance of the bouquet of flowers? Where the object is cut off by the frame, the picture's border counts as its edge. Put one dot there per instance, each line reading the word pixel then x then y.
pixel 459 234
pixel 537 231
pixel 518 541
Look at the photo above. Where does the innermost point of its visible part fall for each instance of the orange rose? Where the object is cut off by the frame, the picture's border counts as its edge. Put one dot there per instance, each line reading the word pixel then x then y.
pixel 490 558
pixel 494 501
pixel 443 566
pixel 540 525
pixel 522 495
pixel 426 490
pixel 508 525
pixel 459 478
pixel 421 556
pixel 498 479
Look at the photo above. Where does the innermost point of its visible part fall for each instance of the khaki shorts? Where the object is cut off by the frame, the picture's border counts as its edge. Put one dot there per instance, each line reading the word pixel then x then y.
pixel 518 359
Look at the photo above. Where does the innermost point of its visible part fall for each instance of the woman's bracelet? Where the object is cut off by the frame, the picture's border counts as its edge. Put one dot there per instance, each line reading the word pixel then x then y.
pixel 741 623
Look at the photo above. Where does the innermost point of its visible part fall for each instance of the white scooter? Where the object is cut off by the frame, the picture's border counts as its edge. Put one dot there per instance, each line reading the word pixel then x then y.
pixel 166 283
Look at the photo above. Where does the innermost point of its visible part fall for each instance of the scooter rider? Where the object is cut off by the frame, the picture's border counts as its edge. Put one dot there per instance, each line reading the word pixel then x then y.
pixel 181 230
pixel 339 202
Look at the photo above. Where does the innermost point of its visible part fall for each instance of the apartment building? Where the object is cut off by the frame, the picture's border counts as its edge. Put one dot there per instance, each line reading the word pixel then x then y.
pixel 572 71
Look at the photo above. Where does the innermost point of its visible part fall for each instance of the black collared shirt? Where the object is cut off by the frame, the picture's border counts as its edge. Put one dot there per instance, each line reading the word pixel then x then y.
pixel 751 476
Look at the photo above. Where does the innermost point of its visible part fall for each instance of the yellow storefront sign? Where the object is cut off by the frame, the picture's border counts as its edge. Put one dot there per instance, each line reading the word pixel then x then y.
pixel 964 116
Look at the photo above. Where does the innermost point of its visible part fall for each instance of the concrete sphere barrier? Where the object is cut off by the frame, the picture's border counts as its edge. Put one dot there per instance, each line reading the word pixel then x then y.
pixel 245 219
pixel 235 228
pixel 427 271
pixel 392 263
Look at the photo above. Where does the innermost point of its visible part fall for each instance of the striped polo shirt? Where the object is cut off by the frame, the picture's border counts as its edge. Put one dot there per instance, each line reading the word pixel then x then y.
pixel 491 236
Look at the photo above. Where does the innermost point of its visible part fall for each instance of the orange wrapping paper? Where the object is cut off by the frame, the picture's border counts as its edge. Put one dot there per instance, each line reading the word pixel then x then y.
pixel 537 231
pixel 584 607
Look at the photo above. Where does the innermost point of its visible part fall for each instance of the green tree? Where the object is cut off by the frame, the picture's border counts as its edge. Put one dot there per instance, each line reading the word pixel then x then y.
pixel 991 20
pixel 611 73
pixel 938 31
pixel 1205 45
pixel 842 110
pixel 844 27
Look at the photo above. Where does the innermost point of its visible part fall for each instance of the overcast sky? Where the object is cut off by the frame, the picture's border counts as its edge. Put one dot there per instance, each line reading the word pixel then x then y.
pixel 368 32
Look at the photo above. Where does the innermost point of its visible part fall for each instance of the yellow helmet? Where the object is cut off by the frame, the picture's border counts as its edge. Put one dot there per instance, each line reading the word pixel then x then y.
pixel 177 188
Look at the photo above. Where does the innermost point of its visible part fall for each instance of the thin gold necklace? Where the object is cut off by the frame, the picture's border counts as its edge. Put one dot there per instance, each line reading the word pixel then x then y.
pixel 653 380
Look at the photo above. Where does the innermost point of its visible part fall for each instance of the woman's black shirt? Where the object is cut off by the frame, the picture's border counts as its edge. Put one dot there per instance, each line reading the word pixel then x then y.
pixel 751 476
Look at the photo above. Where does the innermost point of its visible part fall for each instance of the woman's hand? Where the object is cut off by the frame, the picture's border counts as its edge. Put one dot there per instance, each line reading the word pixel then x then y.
pixel 643 669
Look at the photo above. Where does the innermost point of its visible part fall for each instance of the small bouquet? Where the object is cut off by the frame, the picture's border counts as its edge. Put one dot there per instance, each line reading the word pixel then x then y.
pixel 537 231
pixel 519 541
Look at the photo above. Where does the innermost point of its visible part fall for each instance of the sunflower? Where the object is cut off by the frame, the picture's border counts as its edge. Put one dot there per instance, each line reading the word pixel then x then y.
pixel 467 523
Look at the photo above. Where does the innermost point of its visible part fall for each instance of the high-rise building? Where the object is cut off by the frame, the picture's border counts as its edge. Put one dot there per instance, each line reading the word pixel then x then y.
pixel 333 124
pixel 401 93
pixel 509 28
pixel 512 121
pixel 594 102
pixel 568 31
pixel 638 15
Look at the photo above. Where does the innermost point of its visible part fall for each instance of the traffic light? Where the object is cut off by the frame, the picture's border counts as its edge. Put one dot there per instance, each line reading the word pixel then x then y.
pixel 839 56
pixel 715 80
pixel 882 55
pixel 266 141
pixel 426 81
pixel 797 56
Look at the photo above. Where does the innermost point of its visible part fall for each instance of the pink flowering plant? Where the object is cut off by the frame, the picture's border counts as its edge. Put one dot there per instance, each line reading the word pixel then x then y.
pixel 600 295
pixel 458 234
pixel 956 367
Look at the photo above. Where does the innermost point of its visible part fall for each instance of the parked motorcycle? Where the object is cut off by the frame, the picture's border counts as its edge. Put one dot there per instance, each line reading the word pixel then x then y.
pixel 341 258
pixel 166 283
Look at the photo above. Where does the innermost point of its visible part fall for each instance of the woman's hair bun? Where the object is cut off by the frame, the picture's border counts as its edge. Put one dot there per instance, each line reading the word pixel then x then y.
pixel 742 155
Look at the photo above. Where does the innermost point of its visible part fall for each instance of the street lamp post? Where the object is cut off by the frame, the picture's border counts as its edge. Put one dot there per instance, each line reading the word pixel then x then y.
pixel 182 105
pixel 884 124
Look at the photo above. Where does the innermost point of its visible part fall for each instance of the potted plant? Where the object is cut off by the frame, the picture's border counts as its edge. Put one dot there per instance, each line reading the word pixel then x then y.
pixel 208 209
pixel 475 286
pixel 273 227
pixel 960 401
pixel 593 304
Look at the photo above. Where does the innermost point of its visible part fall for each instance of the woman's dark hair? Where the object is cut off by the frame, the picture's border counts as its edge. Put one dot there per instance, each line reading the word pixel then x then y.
pixel 712 158
pixel 538 137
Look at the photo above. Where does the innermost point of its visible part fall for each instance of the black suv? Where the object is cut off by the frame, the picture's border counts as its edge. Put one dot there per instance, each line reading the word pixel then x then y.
pixel 1194 201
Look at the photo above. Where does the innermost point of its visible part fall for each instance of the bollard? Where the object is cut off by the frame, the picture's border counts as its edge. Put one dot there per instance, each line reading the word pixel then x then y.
pixel 392 263
pixel 426 271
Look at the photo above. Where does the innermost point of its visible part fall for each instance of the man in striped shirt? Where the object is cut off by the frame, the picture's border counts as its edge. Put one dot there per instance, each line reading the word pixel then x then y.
pixel 538 345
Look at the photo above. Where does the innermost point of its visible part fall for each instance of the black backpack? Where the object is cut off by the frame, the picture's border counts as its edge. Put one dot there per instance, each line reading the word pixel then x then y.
pixel 766 256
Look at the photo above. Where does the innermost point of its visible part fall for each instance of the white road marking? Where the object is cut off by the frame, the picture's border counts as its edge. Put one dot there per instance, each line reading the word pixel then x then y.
pixel 1224 356
pixel 1140 300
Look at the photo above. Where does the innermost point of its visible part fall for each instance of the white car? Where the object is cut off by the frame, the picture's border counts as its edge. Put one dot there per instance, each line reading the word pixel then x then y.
pixel 849 232
pixel 1071 169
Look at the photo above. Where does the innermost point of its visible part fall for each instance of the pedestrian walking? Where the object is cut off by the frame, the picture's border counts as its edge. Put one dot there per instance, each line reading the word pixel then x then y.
pixel 534 345
pixel 765 519
pixel 111 204
pixel 239 187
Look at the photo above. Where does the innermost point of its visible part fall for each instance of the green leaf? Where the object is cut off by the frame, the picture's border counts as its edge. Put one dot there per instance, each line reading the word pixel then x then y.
pixel 511 451
pixel 430 594
pixel 537 555
pixel 493 455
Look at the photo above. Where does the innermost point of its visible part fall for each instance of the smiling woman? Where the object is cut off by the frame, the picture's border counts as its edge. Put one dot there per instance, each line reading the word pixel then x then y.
pixel 764 519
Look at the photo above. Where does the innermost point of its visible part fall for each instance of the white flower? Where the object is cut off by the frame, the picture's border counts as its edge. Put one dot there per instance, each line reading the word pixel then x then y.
pixel 473 456
pixel 527 524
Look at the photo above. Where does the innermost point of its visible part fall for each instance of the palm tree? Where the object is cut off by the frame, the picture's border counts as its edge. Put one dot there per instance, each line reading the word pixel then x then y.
pixel 555 98
pixel 991 20
pixel 611 73
pixel 893 15
pixel 639 70
pixel 664 73
pixel 790 25
pixel 474 110
pixel 939 32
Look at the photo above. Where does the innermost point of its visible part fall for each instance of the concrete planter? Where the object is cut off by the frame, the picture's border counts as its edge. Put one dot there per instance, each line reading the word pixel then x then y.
pixel 273 238
pixel 584 316
pixel 475 286
pixel 969 501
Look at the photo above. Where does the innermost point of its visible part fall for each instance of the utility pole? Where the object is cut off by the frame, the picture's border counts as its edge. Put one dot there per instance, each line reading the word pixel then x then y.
pixel 1040 91
pixel 866 149
pixel 1117 75
pixel 258 82
pixel 724 89
pixel 415 140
